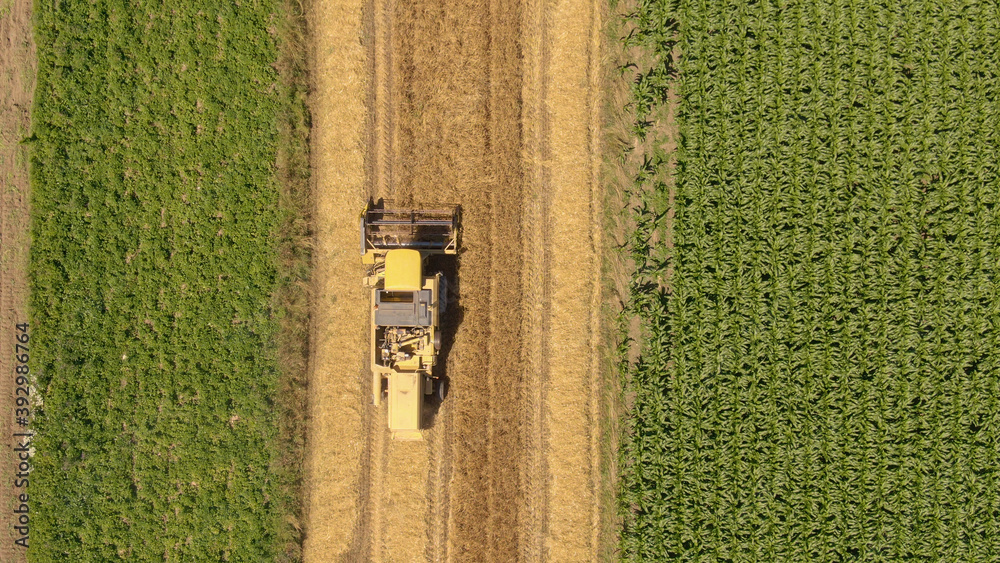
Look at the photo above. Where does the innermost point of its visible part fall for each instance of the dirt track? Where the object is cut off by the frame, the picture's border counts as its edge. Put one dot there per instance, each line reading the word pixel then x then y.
pixel 491 104
pixel 17 79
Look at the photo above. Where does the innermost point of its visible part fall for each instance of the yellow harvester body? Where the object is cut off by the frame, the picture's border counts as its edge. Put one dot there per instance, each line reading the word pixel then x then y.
pixel 406 307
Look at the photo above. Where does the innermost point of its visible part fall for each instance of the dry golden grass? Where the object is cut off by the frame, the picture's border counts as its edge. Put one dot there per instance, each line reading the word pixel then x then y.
pixel 17 77
pixel 536 277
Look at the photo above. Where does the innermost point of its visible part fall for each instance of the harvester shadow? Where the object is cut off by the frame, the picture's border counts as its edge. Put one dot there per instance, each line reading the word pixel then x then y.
pixel 450 322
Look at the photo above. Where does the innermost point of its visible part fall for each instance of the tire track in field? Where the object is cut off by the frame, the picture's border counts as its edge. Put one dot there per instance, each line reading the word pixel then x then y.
pixel 360 547
pixel 368 540
pixel 537 278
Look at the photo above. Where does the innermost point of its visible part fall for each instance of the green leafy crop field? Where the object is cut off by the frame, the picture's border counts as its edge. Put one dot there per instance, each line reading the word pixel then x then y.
pixel 155 211
pixel 820 376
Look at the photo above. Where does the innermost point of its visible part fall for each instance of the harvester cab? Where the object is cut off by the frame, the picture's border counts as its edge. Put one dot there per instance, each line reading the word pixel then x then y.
pixel 406 305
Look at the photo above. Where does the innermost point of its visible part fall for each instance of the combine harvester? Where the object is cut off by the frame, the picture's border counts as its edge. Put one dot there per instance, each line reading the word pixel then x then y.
pixel 406 306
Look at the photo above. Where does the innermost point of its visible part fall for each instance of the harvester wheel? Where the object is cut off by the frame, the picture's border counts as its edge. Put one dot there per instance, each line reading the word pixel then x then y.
pixel 379 387
pixel 442 389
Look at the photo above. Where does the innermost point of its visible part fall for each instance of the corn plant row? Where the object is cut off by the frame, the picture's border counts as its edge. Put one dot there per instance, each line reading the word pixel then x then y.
pixel 154 208
pixel 820 380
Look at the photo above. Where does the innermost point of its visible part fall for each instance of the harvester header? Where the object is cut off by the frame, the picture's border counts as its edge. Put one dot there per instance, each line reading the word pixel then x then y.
pixel 386 227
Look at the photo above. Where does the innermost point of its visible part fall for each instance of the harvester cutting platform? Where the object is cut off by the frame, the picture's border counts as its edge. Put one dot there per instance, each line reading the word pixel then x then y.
pixel 406 305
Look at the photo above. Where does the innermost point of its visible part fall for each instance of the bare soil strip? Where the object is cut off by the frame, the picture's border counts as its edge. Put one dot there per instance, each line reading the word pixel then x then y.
pixel 17 82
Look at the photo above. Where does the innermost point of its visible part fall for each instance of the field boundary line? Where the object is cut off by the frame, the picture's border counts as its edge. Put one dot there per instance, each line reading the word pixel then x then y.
pixel 597 393
pixel 18 58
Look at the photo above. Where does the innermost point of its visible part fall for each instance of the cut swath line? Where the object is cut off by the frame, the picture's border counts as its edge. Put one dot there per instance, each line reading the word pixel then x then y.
pixel 536 279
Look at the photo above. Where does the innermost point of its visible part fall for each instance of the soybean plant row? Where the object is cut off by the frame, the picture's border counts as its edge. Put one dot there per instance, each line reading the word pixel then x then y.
pixel 154 208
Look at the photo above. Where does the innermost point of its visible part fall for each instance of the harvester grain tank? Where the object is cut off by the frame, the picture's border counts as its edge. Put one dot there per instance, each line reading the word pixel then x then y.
pixel 406 305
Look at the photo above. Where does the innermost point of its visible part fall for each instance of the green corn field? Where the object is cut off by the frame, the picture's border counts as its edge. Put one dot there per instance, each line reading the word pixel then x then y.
pixel 820 371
